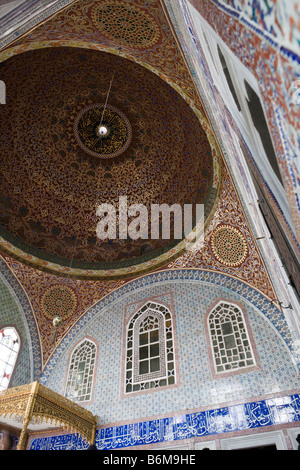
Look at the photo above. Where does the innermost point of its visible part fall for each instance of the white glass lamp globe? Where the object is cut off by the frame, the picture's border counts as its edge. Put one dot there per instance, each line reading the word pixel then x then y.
pixel 102 130
pixel 57 321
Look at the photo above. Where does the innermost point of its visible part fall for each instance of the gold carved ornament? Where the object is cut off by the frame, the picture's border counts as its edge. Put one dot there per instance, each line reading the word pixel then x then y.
pixel 35 402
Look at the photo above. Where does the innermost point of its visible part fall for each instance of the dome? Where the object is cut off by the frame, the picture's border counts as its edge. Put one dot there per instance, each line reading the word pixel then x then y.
pixel 83 128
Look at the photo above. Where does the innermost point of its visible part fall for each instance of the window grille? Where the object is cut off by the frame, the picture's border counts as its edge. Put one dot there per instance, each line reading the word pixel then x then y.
pixel 81 372
pixel 150 360
pixel 229 338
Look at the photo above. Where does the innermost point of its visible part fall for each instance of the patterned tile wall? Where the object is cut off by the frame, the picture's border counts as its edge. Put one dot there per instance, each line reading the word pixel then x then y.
pixel 280 19
pixel 21 314
pixel 249 417
pixel 194 292
pixel 266 56
pixel 10 315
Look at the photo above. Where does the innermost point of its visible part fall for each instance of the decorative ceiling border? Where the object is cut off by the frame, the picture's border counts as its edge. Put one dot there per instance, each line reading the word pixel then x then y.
pixel 80 23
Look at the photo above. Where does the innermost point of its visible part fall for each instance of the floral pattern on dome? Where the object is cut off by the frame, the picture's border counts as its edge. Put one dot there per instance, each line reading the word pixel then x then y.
pixel 229 245
pixel 127 23
pixel 102 131
pixel 58 300
pixel 51 186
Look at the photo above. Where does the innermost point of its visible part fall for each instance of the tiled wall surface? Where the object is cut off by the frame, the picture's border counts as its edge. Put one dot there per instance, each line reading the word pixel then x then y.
pixel 278 18
pixel 16 311
pixel 241 395
pixel 200 405
pixel 11 315
pixel 212 423
pixel 258 39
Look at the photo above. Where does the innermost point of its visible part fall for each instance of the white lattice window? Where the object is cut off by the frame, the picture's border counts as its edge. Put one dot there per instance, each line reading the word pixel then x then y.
pixel 9 349
pixel 150 361
pixel 230 343
pixel 81 372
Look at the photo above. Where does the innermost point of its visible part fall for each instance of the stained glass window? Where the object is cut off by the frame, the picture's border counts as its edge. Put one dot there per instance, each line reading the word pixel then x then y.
pixel 150 358
pixel 229 338
pixel 9 349
pixel 81 372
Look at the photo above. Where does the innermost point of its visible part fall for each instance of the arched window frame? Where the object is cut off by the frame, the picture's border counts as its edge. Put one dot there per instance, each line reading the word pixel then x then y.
pixel 167 375
pixel 8 365
pixel 90 371
pixel 217 346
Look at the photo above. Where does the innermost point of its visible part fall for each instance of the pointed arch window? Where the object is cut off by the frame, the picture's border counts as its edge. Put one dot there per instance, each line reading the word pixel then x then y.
pixel 229 339
pixel 150 358
pixel 9 350
pixel 81 372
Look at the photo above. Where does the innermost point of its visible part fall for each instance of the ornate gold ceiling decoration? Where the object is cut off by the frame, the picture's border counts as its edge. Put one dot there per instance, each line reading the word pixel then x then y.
pixel 102 131
pixel 52 183
pixel 126 23
pixel 229 245
pixel 50 197
pixel 139 30
pixel 58 300
pixel 251 271
pixel 34 403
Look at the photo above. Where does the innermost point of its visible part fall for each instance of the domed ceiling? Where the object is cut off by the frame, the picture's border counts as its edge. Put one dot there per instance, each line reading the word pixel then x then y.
pixel 56 167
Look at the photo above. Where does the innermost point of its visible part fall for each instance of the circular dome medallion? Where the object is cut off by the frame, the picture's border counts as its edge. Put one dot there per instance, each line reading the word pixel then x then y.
pixel 129 24
pixel 102 131
pixel 229 245
pixel 58 300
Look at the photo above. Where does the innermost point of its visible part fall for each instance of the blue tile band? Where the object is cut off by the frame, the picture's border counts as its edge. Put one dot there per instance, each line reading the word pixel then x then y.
pixel 254 415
